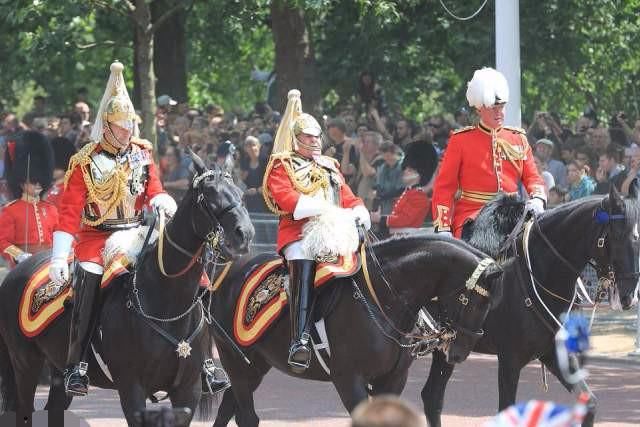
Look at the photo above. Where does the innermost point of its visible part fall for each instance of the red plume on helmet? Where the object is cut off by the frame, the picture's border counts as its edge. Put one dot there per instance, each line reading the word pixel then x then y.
pixel 30 159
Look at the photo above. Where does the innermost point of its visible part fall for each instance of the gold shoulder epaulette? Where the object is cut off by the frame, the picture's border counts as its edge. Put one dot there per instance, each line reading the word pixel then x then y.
pixel 464 129
pixel 147 145
pixel 82 157
pixel 515 129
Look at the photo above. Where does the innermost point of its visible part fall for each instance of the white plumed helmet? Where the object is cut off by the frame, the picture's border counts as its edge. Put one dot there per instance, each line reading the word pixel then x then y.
pixel 487 88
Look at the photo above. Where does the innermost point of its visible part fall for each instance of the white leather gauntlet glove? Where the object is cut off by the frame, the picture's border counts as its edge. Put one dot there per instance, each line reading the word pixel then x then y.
pixel 361 213
pixel 164 202
pixel 308 206
pixel 59 269
pixel 535 205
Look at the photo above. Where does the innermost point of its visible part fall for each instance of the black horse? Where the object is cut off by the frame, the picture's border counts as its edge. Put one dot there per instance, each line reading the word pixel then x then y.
pixel 139 358
pixel 561 243
pixel 369 354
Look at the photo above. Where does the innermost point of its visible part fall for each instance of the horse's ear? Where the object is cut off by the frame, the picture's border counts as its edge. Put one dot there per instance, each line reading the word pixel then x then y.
pixel 198 164
pixel 615 199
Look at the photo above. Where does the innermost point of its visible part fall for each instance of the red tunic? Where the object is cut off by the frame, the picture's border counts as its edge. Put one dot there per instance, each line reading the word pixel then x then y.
pixel 54 195
pixel 26 226
pixel 90 240
pixel 478 163
pixel 286 197
pixel 409 211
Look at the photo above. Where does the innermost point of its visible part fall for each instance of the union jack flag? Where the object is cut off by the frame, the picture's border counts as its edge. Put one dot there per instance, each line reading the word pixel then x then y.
pixel 538 413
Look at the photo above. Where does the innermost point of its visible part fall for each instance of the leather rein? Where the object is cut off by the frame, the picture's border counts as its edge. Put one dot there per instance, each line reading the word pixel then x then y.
pixel 471 285
pixel 606 274
pixel 214 238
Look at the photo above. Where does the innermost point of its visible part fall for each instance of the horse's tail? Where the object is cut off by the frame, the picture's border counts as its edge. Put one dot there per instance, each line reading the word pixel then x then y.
pixel 8 387
pixel 207 402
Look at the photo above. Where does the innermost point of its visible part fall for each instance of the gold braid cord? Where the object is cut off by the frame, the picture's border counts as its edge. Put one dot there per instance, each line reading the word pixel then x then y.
pixel 319 179
pixel 109 192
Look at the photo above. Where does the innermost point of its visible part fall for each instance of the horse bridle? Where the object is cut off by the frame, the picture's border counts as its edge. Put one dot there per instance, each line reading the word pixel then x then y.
pixel 215 237
pixel 606 271
pixel 471 285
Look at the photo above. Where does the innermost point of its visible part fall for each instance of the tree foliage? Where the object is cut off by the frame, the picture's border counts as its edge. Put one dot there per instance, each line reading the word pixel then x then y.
pixel 574 52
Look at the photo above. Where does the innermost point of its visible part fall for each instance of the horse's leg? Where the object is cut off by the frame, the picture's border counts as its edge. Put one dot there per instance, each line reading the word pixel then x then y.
pixel 433 391
pixel 551 363
pixel 226 410
pixel 245 379
pixel 58 399
pixel 394 381
pixel 187 397
pixel 508 378
pixel 7 380
pixel 352 389
pixel 27 372
pixel 132 400
pixel 243 389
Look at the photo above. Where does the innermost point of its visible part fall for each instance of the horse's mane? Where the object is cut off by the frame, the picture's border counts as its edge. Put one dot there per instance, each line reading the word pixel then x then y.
pixel 494 223
pixel 498 218
pixel 418 239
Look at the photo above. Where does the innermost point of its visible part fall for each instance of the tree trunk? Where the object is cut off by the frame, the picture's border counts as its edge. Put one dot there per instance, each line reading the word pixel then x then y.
pixel 295 63
pixel 144 63
pixel 170 52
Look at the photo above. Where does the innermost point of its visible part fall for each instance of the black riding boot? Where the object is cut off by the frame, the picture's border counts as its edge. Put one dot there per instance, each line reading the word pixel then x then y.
pixel 84 318
pixel 214 379
pixel 301 275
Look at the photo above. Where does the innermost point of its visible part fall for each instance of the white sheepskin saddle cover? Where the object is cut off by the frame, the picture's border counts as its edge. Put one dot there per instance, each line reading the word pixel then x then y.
pixel 333 233
pixel 128 243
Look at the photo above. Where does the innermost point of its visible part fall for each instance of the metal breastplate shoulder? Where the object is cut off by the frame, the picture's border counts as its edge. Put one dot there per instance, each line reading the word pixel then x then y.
pixel 308 172
pixel 103 166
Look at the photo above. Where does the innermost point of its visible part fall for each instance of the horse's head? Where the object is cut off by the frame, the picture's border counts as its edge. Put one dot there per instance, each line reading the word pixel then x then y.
pixel 617 247
pixel 219 212
pixel 470 305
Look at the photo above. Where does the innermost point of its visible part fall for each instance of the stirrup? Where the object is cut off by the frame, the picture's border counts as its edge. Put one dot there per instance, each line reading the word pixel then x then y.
pixel 76 380
pixel 297 348
pixel 211 384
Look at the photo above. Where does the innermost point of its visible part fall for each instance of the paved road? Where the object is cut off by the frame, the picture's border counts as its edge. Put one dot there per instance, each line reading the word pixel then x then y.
pixel 471 398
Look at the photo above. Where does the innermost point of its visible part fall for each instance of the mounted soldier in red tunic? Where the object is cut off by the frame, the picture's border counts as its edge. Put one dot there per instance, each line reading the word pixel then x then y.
pixel 106 186
pixel 27 223
pixel 483 160
pixel 301 184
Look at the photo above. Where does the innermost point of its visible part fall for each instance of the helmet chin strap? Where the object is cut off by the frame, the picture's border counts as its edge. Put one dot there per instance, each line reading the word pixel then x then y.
pixel 315 149
pixel 112 139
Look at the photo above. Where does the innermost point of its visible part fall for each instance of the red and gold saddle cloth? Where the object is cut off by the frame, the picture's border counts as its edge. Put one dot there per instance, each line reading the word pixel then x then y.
pixel 262 296
pixel 42 301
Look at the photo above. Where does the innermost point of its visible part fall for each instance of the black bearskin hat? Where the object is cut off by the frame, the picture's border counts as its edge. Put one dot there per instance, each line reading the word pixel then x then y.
pixel 30 158
pixel 422 157
pixel 63 150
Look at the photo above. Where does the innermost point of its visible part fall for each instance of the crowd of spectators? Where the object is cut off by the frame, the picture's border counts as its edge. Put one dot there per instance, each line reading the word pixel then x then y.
pixel 575 159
